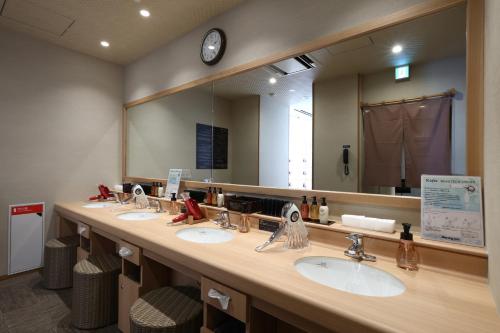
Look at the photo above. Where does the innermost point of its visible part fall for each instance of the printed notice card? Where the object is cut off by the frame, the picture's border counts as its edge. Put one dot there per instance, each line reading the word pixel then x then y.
pixel 173 182
pixel 452 209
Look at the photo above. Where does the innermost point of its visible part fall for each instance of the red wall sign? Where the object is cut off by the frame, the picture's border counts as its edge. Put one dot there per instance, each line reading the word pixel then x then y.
pixel 29 209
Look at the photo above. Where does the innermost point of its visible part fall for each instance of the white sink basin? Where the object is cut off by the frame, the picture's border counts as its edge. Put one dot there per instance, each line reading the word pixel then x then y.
pixel 99 204
pixel 350 276
pixel 205 235
pixel 137 216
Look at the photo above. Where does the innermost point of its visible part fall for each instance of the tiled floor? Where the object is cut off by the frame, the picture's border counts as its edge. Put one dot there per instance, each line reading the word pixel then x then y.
pixel 25 306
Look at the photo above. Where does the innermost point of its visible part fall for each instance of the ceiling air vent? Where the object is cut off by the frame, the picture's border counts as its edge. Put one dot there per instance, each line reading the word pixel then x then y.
pixel 293 65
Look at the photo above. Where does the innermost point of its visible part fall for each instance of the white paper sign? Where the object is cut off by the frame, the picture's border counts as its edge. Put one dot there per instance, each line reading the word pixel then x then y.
pixel 452 209
pixel 173 182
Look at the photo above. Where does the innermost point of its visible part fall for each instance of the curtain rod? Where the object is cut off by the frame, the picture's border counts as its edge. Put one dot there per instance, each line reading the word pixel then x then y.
pixel 448 93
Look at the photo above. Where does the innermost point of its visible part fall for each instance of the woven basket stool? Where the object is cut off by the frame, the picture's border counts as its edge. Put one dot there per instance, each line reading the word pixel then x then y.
pixel 95 291
pixel 168 310
pixel 59 259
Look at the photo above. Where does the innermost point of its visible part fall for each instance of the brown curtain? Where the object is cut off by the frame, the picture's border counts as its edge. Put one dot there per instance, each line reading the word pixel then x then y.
pixel 427 139
pixel 423 128
pixel 383 138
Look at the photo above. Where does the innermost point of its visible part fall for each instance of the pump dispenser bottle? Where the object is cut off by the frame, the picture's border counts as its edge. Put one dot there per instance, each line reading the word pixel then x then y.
pixel 407 256
pixel 208 198
pixel 304 209
pixel 220 198
pixel 214 197
pixel 323 212
pixel 314 211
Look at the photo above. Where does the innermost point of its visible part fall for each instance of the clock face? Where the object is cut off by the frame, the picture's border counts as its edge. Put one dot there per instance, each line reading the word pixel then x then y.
pixel 213 46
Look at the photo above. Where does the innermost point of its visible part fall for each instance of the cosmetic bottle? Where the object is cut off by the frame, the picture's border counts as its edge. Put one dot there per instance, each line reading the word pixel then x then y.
pixel 174 208
pixel 314 210
pixel 304 209
pixel 220 198
pixel 323 212
pixel 214 197
pixel 407 256
pixel 208 198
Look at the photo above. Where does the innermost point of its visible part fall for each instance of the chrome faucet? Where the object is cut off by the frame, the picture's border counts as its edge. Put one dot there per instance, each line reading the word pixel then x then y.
pixel 356 250
pixel 159 207
pixel 224 221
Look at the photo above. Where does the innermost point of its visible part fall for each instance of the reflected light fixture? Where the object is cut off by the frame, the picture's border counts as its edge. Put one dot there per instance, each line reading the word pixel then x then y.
pixel 145 13
pixel 272 80
pixel 397 49
pixel 211 47
pixel 291 90
pixel 104 43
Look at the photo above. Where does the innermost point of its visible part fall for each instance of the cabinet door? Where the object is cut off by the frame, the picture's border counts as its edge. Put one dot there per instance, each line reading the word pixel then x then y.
pixel 128 294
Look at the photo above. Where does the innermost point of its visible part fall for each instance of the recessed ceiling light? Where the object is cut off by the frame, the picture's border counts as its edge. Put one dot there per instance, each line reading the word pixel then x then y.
pixel 397 49
pixel 145 13
pixel 272 80
pixel 104 43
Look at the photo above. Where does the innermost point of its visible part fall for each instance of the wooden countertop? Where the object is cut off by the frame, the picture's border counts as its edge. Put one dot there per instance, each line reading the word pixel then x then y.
pixel 435 301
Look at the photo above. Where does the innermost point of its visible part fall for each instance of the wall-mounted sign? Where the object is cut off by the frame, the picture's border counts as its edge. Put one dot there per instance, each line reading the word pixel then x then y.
pixel 452 209
pixel 402 73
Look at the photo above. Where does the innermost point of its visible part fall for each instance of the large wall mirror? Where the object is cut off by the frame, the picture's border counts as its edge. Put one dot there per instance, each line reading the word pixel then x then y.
pixel 164 134
pixel 369 114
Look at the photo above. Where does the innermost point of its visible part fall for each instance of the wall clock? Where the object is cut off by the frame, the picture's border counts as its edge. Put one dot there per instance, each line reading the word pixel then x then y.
pixel 213 46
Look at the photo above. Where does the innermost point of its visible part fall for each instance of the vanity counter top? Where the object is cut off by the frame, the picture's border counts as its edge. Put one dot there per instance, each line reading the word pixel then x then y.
pixel 434 301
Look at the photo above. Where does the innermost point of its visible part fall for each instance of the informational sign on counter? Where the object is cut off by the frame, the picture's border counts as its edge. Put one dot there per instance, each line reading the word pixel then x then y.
pixel 452 209
pixel 173 182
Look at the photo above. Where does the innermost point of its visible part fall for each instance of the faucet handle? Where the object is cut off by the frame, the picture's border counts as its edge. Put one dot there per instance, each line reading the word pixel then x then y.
pixel 355 237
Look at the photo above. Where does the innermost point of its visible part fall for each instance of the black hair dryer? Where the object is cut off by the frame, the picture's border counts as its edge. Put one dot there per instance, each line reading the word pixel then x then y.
pixel 345 158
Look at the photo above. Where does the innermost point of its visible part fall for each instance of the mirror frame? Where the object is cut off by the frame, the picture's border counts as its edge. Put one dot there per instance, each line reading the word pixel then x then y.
pixel 474 86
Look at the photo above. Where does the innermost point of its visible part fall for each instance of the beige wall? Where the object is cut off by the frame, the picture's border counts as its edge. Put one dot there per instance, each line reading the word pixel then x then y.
pixel 492 144
pixel 335 118
pixel 245 140
pixel 222 118
pixel 162 134
pixel 60 127
pixel 254 29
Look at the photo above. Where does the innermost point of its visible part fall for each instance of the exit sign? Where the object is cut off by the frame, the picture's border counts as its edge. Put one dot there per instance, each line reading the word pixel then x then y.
pixel 402 73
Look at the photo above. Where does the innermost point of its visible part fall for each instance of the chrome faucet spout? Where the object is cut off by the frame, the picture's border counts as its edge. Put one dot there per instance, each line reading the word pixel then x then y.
pixel 356 250
pixel 223 220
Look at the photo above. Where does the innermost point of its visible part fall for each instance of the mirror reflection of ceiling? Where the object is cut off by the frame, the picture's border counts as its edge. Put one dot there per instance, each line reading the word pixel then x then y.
pixel 80 25
pixel 432 37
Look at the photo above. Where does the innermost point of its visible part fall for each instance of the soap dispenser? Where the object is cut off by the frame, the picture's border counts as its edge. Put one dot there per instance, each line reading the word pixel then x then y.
pixel 314 211
pixel 323 212
pixel 304 209
pixel 214 197
pixel 407 256
pixel 220 198
pixel 208 197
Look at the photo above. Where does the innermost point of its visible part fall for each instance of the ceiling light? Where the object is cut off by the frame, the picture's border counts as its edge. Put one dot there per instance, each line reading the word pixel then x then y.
pixel 104 43
pixel 397 49
pixel 211 47
pixel 145 13
pixel 272 80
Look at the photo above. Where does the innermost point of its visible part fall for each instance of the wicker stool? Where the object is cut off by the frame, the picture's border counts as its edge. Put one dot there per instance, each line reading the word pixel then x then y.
pixel 95 291
pixel 168 309
pixel 59 259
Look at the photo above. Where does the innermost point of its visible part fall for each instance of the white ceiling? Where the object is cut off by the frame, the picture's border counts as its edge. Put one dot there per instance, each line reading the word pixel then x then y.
pixel 80 25
pixel 432 37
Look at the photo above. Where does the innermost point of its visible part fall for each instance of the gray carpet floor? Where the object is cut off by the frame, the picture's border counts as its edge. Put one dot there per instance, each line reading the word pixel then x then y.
pixel 25 307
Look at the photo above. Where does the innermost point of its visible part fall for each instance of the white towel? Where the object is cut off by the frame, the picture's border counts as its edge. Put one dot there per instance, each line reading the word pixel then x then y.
pixel 369 223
